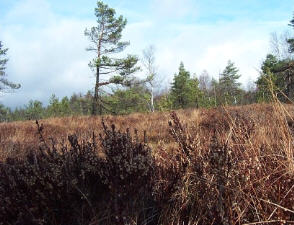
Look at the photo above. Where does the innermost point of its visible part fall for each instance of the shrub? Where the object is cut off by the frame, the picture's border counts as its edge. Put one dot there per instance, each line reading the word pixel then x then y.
pixel 73 185
pixel 235 179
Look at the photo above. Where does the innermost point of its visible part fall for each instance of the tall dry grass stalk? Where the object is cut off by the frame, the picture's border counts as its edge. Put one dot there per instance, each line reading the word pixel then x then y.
pixel 229 165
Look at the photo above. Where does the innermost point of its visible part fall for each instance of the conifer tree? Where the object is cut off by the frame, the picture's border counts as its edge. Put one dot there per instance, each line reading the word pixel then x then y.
pixel 4 83
pixel 185 90
pixel 291 40
pixel 268 79
pixel 229 85
pixel 105 41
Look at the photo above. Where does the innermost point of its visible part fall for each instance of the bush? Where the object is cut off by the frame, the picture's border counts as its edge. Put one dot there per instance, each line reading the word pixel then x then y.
pixel 234 179
pixel 73 185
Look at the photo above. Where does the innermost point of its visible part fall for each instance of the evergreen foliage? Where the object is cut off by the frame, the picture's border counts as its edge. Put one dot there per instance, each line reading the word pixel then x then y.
pixel 276 77
pixel 291 40
pixel 185 91
pixel 4 83
pixel 131 99
pixel 105 41
pixel 229 85
pixel 267 81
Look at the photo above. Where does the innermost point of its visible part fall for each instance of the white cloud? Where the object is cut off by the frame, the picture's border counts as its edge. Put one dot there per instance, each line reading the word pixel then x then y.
pixel 209 47
pixel 53 61
pixel 246 55
pixel 46 59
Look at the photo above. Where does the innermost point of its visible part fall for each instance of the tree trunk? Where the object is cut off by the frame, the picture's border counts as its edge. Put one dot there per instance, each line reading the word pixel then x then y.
pixel 97 99
pixel 214 96
pixel 96 94
pixel 152 100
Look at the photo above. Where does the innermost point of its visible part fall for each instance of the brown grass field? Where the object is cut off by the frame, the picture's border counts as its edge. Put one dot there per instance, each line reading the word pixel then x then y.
pixel 15 136
pixel 235 164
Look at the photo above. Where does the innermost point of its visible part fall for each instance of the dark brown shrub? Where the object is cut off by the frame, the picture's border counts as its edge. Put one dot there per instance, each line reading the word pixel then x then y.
pixel 73 185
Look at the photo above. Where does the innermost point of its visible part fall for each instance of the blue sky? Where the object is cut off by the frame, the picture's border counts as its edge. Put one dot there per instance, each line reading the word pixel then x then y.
pixel 47 46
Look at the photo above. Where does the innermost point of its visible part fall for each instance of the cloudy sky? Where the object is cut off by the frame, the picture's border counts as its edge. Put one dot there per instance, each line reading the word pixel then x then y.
pixel 47 44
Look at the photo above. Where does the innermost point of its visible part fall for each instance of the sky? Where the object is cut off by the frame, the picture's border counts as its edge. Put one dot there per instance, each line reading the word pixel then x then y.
pixel 47 44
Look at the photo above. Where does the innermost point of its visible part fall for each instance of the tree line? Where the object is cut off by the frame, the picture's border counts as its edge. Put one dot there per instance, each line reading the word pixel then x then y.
pixel 118 91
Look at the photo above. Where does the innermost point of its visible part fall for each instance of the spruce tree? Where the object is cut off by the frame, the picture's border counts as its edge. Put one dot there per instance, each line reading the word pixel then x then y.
pixel 185 90
pixel 229 85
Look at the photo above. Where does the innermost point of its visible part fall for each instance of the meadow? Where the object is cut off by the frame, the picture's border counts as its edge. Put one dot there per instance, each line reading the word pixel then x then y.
pixel 226 165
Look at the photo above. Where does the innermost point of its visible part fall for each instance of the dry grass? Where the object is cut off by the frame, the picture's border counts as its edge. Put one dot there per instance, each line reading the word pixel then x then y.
pixel 232 165
pixel 21 135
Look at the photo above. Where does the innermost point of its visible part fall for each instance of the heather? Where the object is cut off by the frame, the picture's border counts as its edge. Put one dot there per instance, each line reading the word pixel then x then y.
pixel 229 165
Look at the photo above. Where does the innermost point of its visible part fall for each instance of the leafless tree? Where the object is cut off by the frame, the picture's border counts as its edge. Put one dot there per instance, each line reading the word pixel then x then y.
pixel 280 46
pixel 148 62
pixel 204 81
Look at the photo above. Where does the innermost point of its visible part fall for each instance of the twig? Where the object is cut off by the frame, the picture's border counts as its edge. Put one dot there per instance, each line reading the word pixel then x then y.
pixel 281 207
pixel 270 221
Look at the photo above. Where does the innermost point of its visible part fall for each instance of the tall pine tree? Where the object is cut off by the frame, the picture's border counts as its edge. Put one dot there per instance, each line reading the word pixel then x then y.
pixel 105 41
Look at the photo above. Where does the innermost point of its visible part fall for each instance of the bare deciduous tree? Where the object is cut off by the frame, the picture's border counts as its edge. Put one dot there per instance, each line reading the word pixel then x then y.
pixel 148 62
pixel 280 46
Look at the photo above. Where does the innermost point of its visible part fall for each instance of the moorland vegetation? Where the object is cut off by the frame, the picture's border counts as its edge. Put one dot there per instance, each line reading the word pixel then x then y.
pixel 230 165
pixel 203 152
